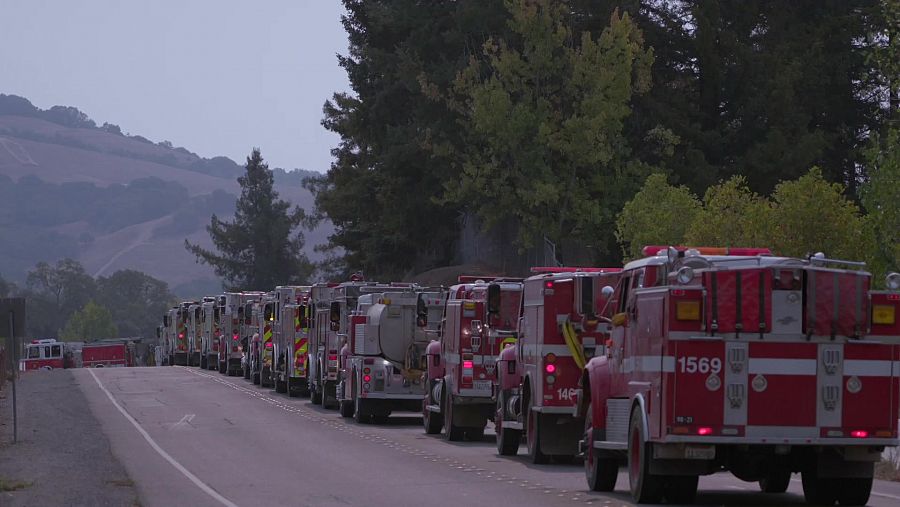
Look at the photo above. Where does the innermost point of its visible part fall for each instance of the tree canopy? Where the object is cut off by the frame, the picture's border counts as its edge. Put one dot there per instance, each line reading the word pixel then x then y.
pixel 262 246
pixel 91 323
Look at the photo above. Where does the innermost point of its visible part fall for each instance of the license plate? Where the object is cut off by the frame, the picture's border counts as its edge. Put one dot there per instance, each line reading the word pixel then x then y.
pixel 483 385
pixel 700 452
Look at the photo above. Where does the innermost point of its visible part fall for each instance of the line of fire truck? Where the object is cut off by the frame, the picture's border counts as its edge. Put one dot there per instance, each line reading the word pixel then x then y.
pixel 684 363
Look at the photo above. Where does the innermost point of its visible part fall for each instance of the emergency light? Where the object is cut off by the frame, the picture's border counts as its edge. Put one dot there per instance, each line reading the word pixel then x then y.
pixel 652 250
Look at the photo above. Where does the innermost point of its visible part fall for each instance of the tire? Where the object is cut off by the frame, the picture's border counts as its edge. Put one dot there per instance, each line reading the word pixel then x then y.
pixel 452 432
pixel 223 368
pixel 433 421
pixel 680 489
pixel 645 487
pixel 533 436
pixel 475 434
pixel 600 471
pixel 280 386
pixel 346 408
pixel 816 490
pixel 256 378
pixel 854 490
pixel 507 440
pixel 360 415
pixel 775 481
pixel 246 372
pixel 203 363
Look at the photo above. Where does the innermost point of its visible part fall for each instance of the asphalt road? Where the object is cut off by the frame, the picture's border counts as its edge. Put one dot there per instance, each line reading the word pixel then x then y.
pixel 189 437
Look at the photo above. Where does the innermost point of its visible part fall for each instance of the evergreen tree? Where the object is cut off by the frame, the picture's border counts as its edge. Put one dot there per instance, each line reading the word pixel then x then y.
pixel 262 247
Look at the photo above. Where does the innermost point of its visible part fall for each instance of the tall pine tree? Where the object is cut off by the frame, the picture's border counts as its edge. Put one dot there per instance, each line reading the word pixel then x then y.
pixel 262 247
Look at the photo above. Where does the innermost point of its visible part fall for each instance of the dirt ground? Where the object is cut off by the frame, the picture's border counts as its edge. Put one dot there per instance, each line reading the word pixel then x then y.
pixel 62 457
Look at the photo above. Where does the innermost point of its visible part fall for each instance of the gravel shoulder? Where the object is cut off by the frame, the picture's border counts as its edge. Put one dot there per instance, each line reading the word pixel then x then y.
pixel 63 457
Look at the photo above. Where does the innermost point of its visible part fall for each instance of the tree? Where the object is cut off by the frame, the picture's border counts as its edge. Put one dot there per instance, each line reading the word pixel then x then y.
pixel 544 112
pixel 811 215
pixel 262 247
pixel 396 149
pixel 135 300
pixel 91 323
pixel 732 215
pixel 658 214
pixel 881 197
pixel 55 293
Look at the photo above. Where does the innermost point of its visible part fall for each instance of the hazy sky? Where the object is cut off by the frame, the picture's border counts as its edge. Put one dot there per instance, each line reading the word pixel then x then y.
pixel 215 76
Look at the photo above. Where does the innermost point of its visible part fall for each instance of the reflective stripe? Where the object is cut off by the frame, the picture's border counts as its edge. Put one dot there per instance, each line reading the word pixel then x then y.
pixel 649 364
pixel 543 350
pixel 768 366
pixel 867 368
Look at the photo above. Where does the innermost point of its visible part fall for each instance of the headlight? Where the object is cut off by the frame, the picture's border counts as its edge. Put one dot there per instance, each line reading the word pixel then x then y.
pixel 892 281
pixel 684 275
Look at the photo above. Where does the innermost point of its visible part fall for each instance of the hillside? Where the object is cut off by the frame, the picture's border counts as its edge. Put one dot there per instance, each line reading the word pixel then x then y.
pixel 69 188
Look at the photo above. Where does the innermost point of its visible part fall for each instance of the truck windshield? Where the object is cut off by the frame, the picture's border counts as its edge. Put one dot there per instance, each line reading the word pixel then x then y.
pixel 34 352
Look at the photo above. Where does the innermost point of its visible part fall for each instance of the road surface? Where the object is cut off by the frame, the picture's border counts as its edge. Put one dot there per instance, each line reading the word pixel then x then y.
pixel 190 437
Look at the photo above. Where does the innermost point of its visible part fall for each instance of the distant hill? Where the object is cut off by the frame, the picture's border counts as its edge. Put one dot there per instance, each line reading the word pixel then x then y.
pixel 70 188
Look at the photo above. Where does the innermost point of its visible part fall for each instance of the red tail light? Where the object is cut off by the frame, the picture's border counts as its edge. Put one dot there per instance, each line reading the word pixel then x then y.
pixel 704 431
pixel 468 364
pixel 332 357
pixel 550 368
pixel 181 335
pixel 268 345
pixel 235 337
pixel 859 433
pixel 367 378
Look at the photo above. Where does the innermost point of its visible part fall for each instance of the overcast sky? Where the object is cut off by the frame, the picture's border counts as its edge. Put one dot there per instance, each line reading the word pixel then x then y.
pixel 215 76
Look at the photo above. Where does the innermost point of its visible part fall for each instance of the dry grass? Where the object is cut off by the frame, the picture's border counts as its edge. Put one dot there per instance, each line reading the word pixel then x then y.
pixel 7 485
pixel 889 467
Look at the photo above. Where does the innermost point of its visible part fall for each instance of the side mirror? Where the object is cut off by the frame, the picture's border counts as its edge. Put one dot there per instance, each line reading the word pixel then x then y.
pixel 493 298
pixel 587 297
pixel 605 293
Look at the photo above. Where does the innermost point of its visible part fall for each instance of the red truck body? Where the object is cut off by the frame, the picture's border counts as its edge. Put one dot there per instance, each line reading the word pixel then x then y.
pixel 759 365
pixel 105 355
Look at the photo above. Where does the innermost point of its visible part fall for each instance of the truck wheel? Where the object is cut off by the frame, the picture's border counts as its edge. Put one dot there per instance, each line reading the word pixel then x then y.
pixel 280 386
pixel 432 421
pixel 475 434
pixel 223 368
pixel 315 396
pixel 775 481
pixel 452 432
pixel 256 378
pixel 816 490
pixel 360 415
pixel 247 373
pixel 854 490
pixel 507 440
pixel 202 362
pixel 645 487
pixel 346 408
pixel 680 489
pixel 601 471
pixel 533 437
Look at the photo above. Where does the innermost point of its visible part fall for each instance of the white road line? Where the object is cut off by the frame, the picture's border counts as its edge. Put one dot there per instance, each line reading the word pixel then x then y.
pixel 184 471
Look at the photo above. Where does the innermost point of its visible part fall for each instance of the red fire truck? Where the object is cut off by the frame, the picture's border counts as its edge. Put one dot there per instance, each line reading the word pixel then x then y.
pixel 230 347
pixel 734 359
pixel 211 332
pixel 480 318
pixel 334 305
pixel 106 355
pixel 287 327
pixel 46 354
pixel 179 320
pixel 559 331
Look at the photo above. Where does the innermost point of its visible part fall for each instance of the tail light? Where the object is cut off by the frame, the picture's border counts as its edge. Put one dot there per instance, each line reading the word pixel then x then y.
pixel 704 431
pixel 235 337
pixel 468 370
pixel 268 345
pixel 884 315
pixel 550 368
pixel 859 433
pixel 367 378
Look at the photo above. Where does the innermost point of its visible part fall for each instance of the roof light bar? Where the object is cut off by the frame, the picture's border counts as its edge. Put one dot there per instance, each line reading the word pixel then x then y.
pixel 652 250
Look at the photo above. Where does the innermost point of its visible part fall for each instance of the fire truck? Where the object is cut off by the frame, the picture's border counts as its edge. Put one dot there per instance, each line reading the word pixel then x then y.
pixel 45 354
pixel 262 346
pixel 179 318
pixel 334 305
pixel 292 340
pixel 210 320
pixel 735 359
pixel 559 330
pixel 106 355
pixel 250 333
pixel 480 319
pixel 195 333
pixel 230 349
pixel 384 360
